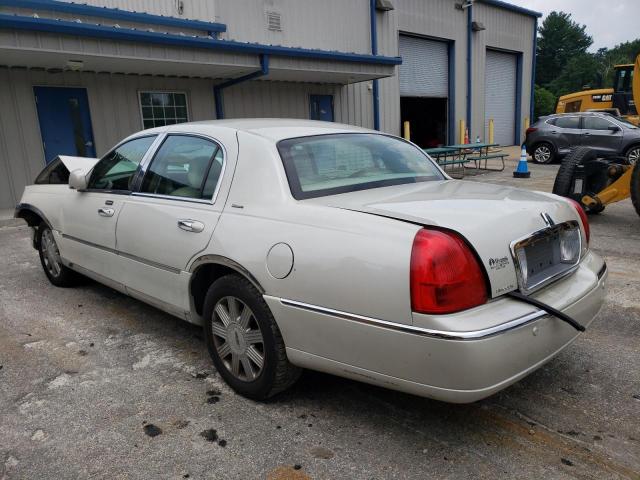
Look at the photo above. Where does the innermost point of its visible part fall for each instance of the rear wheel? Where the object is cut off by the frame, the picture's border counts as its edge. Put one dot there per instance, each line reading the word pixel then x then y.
pixel 633 154
pixel 56 272
pixel 635 187
pixel 543 153
pixel 564 183
pixel 244 341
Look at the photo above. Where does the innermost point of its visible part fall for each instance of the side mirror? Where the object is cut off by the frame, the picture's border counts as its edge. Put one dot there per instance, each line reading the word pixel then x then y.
pixel 614 128
pixel 78 180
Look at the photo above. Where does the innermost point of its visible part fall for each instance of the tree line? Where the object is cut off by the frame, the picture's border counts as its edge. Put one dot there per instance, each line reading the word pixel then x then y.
pixel 563 64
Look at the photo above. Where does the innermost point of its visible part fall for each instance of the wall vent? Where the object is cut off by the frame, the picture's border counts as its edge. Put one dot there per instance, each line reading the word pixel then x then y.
pixel 274 21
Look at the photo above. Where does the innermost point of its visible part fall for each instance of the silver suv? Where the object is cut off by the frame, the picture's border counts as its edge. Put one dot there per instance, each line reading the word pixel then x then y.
pixel 554 136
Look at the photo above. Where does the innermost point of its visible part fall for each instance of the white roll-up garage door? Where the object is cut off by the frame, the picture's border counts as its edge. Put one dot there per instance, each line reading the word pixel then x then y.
pixel 500 96
pixel 425 68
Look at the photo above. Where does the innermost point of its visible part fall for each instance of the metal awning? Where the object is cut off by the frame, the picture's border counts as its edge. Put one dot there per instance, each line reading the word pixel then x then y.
pixel 35 42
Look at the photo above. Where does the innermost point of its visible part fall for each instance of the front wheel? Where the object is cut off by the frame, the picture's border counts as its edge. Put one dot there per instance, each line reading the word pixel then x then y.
pixel 244 341
pixel 56 272
pixel 543 153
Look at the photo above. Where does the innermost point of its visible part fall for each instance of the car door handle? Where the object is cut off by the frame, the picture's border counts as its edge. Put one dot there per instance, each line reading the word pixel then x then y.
pixel 586 134
pixel 189 225
pixel 554 132
pixel 106 212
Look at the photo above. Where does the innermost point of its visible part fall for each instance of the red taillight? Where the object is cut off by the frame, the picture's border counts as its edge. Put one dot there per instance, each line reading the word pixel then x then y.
pixel 531 130
pixel 445 275
pixel 583 218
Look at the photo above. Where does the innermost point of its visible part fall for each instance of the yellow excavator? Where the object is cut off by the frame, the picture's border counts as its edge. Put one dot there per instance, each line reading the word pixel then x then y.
pixel 592 181
pixel 621 100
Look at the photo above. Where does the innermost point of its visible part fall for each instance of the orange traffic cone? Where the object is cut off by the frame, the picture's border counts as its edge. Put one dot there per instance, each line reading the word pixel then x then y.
pixel 466 136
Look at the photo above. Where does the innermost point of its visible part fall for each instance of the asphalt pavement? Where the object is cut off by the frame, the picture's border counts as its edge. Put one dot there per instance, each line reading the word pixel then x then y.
pixel 94 384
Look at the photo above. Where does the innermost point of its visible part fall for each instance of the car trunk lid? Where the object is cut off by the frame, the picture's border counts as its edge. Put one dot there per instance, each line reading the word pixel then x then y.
pixel 490 217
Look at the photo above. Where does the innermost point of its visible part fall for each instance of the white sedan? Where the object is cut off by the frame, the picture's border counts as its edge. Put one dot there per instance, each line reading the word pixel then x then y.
pixel 301 244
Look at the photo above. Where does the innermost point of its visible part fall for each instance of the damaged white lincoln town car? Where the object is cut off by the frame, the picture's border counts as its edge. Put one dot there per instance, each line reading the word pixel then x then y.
pixel 300 244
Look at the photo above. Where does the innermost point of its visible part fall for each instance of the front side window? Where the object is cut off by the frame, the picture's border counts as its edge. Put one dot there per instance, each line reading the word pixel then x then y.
pixel 596 123
pixel 331 164
pixel 163 108
pixel 117 169
pixel 567 122
pixel 184 166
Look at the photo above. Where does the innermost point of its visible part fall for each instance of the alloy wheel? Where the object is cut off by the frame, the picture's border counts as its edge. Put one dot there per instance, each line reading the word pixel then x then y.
pixel 542 154
pixel 51 253
pixel 238 339
pixel 633 156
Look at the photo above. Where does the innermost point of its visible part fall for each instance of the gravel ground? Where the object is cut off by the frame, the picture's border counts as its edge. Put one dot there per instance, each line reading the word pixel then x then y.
pixel 94 384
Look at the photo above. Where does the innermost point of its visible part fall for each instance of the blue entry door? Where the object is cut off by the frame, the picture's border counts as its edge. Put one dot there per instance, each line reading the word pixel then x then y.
pixel 322 107
pixel 65 122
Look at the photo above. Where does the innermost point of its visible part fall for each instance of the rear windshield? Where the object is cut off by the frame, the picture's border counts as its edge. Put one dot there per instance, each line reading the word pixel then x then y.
pixel 330 164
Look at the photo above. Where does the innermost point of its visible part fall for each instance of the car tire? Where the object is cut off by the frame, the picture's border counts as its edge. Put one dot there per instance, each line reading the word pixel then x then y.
pixel 56 272
pixel 635 187
pixel 633 155
pixel 543 153
pixel 244 341
pixel 563 184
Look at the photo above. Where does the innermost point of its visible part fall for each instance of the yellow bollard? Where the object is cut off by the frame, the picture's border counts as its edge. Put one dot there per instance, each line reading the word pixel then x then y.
pixel 462 127
pixel 527 123
pixel 491 130
pixel 406 130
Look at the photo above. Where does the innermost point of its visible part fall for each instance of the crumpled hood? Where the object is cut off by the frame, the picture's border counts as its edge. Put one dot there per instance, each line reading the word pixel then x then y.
pixel 489 216
pixel 75 163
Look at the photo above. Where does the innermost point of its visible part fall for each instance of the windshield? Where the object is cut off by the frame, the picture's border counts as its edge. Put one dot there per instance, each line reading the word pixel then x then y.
pixel 330 164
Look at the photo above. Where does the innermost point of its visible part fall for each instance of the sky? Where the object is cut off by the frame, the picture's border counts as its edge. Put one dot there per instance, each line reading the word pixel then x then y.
pixel 609 22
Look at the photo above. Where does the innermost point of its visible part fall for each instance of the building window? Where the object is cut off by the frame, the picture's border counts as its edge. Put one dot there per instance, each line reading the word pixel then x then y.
pixel 163 108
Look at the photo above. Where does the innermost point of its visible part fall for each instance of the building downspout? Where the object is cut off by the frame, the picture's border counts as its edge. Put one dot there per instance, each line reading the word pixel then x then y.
pixel 217 89
pixel 533 71
pixel 469 64
pixel 374 51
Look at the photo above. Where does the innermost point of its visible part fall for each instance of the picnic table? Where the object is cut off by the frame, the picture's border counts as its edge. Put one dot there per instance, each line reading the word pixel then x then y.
pixel 458 156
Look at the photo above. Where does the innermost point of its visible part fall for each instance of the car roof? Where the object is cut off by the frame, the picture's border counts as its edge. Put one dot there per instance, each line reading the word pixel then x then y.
pixel 275 129
pixel 584 114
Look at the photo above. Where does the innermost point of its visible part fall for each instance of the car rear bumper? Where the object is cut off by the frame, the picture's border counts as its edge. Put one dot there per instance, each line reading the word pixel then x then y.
pixel 457 364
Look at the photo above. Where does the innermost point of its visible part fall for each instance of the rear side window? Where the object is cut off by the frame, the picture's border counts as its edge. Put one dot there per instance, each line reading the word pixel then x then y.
pixel 567 122
pixel 331 164
pixel 596 123
pixel 184 166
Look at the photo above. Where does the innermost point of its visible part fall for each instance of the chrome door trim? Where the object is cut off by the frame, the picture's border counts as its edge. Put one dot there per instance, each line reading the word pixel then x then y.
pixel 146 161
pixel 171 197
pixel 426 332
pixel 123 254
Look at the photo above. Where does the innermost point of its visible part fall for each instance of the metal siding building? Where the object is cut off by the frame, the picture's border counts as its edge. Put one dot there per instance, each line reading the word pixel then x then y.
pixel 264 58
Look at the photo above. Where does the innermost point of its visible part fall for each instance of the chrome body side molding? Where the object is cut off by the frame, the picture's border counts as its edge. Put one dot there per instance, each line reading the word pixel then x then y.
pixel 442 334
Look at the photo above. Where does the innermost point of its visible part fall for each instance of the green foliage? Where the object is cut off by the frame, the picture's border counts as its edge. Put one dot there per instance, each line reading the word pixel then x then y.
pixel 580 73
pixel 560 40
pixel 545 102
pixel 565 66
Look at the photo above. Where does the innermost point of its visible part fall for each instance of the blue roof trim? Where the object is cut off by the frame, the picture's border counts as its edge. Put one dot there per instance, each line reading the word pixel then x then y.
pixel 115 13
pixel 100 31
pixel 513 8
